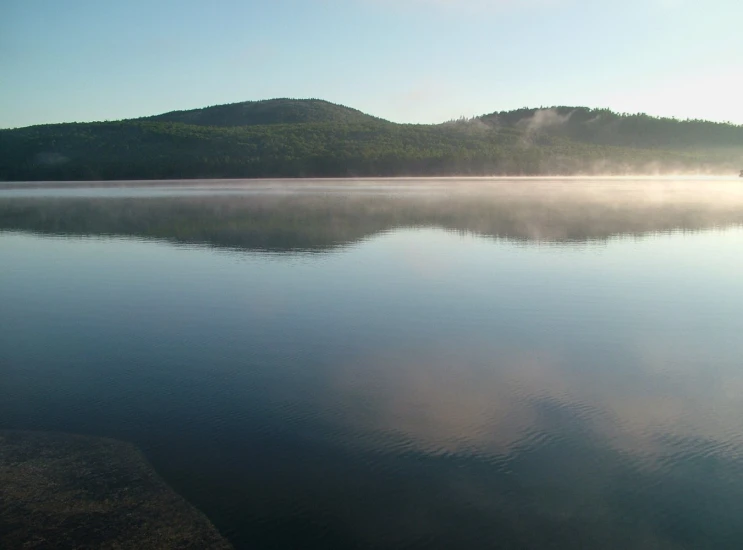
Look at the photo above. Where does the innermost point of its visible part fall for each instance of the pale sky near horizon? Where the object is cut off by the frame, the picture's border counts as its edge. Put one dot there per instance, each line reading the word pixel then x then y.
pixel 404 60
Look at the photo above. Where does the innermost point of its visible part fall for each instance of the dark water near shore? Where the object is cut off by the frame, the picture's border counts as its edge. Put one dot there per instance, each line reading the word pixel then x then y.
pixel 437 364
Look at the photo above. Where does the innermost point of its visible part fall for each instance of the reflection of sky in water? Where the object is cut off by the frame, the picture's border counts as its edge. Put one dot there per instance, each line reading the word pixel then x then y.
pixel 488 332
pixel 416 385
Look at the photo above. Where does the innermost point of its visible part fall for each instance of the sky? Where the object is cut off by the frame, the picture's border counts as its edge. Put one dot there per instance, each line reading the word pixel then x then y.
pixel 417 61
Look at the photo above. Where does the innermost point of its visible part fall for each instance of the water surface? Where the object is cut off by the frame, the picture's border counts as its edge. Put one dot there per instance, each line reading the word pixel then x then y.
pixel 437 364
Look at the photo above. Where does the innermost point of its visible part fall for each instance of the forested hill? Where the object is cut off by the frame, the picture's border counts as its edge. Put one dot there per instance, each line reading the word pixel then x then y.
pixel 271 111
pixel 602 126
pixel 314 138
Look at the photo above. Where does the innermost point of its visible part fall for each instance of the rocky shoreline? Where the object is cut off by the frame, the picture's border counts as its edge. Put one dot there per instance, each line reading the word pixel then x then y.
pixel 69 491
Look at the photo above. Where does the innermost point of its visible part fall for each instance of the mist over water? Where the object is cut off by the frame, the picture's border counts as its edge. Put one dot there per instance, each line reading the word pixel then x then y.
pixel 320 214
pixel 408 364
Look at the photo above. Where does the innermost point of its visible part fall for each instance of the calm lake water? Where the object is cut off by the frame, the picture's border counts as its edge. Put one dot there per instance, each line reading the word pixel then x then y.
pixel 432 364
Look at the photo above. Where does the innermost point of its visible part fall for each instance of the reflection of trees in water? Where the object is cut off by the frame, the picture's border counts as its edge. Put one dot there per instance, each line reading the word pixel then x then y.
pixel 316 221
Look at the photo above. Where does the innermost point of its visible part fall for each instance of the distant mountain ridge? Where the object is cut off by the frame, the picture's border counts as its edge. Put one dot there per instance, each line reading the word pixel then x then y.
pixel 315 138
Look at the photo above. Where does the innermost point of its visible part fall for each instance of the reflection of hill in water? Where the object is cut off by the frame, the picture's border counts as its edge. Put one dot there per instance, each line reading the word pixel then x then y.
pixel 321 220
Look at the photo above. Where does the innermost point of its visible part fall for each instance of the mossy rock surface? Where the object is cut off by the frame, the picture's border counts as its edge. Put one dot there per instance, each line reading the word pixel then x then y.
pixel 67 491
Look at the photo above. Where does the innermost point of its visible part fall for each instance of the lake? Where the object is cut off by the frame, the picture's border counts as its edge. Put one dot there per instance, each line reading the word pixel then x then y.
pixel 395 364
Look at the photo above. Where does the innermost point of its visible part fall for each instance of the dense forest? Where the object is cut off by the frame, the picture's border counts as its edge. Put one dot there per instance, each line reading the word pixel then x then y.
pixel 314 138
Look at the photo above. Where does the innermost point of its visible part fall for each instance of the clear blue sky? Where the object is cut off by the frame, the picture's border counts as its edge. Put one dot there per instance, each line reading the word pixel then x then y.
pixel 405 60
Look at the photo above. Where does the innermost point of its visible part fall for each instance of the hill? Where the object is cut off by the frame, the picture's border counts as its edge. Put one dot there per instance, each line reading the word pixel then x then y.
pixel 602 126
pixel 313 138
pixel 269 111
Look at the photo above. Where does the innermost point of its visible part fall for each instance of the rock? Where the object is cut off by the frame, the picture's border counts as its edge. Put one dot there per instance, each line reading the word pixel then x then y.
pixel 67 491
